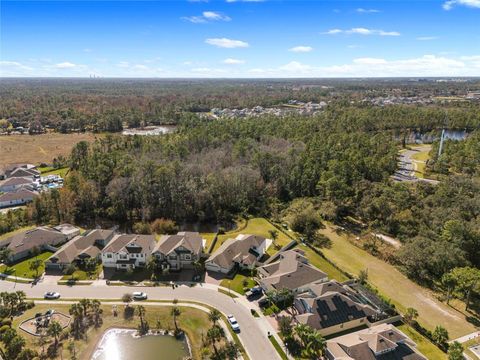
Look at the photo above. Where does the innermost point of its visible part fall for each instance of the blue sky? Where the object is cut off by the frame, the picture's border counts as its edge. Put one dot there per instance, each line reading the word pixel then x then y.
pixel 240 38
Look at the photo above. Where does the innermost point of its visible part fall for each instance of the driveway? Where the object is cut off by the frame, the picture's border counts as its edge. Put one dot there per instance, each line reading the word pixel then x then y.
pixel 253 333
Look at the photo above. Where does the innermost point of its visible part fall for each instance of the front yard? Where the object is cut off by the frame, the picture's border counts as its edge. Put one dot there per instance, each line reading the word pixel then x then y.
pixel 83 275
pixel 22 269
pixel 239 282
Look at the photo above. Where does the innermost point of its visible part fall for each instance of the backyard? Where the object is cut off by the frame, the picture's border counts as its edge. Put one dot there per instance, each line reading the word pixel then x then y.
pixel 392 284
pixel 423 344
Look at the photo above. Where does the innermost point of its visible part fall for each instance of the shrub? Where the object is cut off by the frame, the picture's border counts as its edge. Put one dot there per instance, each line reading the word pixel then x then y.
pixel 142 228
pixel 164 226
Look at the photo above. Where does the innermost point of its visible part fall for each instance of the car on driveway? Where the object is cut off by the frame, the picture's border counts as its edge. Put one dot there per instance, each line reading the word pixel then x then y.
pixel 137 295
pixel 51 295
pixel 233 323
pixel 255 291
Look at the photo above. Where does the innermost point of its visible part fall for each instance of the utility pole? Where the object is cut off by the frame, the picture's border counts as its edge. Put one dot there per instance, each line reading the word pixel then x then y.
pixel 440 147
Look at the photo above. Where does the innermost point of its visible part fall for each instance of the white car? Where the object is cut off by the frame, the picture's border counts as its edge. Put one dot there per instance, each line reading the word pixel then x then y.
pixel 137 295
pixel 51 295
pixel 233 323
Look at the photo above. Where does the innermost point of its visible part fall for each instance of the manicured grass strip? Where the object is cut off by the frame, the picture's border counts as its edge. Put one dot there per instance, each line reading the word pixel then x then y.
pixel 277 347
pixel 424 345
pixel 236 284
pixel 323 264
pixel 227 293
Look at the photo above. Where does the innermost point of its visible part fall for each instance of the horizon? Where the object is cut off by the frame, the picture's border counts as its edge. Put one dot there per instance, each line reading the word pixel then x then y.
pixel 239 39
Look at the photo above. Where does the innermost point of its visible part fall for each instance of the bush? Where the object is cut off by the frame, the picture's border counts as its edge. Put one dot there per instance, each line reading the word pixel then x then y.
pixel 164 226
pixel 221 230
pixel 142 228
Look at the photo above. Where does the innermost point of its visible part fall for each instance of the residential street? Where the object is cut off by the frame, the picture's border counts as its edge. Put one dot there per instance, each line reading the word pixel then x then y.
pixel 253 332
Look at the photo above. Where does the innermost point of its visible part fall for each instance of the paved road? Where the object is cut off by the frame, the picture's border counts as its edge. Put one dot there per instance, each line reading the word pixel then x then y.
pixel 253 330
pixel 406 167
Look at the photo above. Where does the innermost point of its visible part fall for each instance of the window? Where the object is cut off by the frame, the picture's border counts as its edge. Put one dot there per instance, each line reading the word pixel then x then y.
pixel 188 257
pixel 109 256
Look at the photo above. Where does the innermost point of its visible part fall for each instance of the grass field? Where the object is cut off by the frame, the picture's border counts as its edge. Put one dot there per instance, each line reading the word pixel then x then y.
pixel 36 149
pixel 255 226
pixel 236 284
pixel 82 275
pixel 420 158
pixel 48 170
pixel 392 284
pixel 22 269
pixel 193 321
pixel 319 262
pixel 424 345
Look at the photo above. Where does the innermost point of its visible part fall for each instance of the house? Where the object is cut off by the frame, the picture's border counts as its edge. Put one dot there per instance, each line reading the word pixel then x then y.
pixel 16 183
pixel 68 230
pixel 24 172
pixel 20 197
pixel 181 251
pixel 80 248
pixel 331 307
pixel 22 244
pixel 6 171
pixel 378 342
pixel 291 271
pixel 242 252
pixel 128 251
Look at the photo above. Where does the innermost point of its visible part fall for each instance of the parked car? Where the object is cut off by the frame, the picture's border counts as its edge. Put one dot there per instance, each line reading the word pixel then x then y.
pixel 51 295
pixel 263 302
pixel 38 315
pixel 233 323
pixel 137 295
pixel 256 290
pixel 49 312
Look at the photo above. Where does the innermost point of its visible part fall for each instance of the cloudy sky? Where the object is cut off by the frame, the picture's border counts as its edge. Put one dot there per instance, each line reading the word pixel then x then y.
pixel 240 38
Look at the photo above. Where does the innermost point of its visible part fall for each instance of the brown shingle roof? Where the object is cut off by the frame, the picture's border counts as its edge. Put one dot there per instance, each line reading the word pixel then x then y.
pixel 18 195
pixel 131 243
pixel 15 181
pixel 189 240
pixel 29 239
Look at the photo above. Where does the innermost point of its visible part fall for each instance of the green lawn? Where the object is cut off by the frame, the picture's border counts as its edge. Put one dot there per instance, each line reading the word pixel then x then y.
pixel 392 284
pixel 236 284
pixel 277 347
pixel 22 269
pixel 255 226
pixel 48 170
pixel 425 346
pixel 320 262
pixel 82 275
pixel 470 343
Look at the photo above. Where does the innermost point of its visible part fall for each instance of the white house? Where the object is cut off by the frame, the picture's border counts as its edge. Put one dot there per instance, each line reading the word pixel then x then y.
pixel 180 251
pixel 125 252
pixel 15 183
pixel 20 197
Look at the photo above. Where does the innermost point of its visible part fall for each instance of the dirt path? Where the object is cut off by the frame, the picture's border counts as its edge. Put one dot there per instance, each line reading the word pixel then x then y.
pixel 394 285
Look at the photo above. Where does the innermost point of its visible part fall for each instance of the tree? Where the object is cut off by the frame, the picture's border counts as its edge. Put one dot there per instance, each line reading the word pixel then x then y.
pixel 455 351
pixel 363 276
pixel 440 335
pixel 127 298
pixel 76 310
pixel 285 326
pixel 214 334
pixel 175 312
pixel 55 330
pixel 85 304
pixel 231 350
pixel 466 278
pixel 97 312
pixel 410 315
pixel 14 347
pixel 5 256
pixel 274 235
pixel 71 348
pixel 449 282
pixel 214 316
pixel 315 345
pixel 143 327
pixel 35 265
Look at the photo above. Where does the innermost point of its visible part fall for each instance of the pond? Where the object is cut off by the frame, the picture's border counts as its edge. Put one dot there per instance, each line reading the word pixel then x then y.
pixel 121 344
pixel 150 130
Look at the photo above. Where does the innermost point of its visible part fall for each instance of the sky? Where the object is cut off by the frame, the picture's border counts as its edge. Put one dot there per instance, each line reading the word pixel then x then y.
pixel 239 38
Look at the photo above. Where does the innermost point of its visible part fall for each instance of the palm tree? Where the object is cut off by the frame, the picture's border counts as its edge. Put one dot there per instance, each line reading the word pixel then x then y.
pixel 5 255
pixel 71 348
pixel 76 311
pixel 140 310
pixel 214 316
pixel 231 350
pixel 85 304
pixel 55 329
pixel 34 265
pixel 274 235
pixel 316 344
pixel 214 334
pixel 410 315
pixel 97 312
pixel 302 331
pixel 175 312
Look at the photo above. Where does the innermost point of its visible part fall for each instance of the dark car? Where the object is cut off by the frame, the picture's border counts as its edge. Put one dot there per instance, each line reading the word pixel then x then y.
pixel 263 303
pixel 255 291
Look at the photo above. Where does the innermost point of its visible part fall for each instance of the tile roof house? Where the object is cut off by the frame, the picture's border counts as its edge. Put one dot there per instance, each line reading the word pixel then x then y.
pixel 128 251
pixel 79 249
pixel 20 197
pixel 242 252
pixel 24 172
pixel 380 342
pixel 179 251
pixel 69 230
pixel 291 271
pixel 331 307
pixel 23 243
pixel 15 183
pixel 6 171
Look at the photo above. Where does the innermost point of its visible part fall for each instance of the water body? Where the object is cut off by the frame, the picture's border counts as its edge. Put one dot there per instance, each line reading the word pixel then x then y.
pixel 118 344
pixel 150 130
pixel 415 137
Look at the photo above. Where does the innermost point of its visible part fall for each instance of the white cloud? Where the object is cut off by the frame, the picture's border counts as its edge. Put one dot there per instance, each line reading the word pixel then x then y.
pixel 207 16
pixel 123 64
pixel 87 50
pixel 367 11
pixel 296 67
pixel 448 5
pixel 227 43
pixel 231 61
pixel 427 38
pixel 362 31
pixel 301 49
pixel 65 65
pixel 369 61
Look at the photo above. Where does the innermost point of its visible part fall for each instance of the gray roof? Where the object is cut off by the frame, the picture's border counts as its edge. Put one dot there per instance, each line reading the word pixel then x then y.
pixel 237 250
pixel 15 181
pixel 380 342
pixel 18 195
pixel 131 243
pixel 191 241
pixel 291 271
pixel 81 245
pixel 29 239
